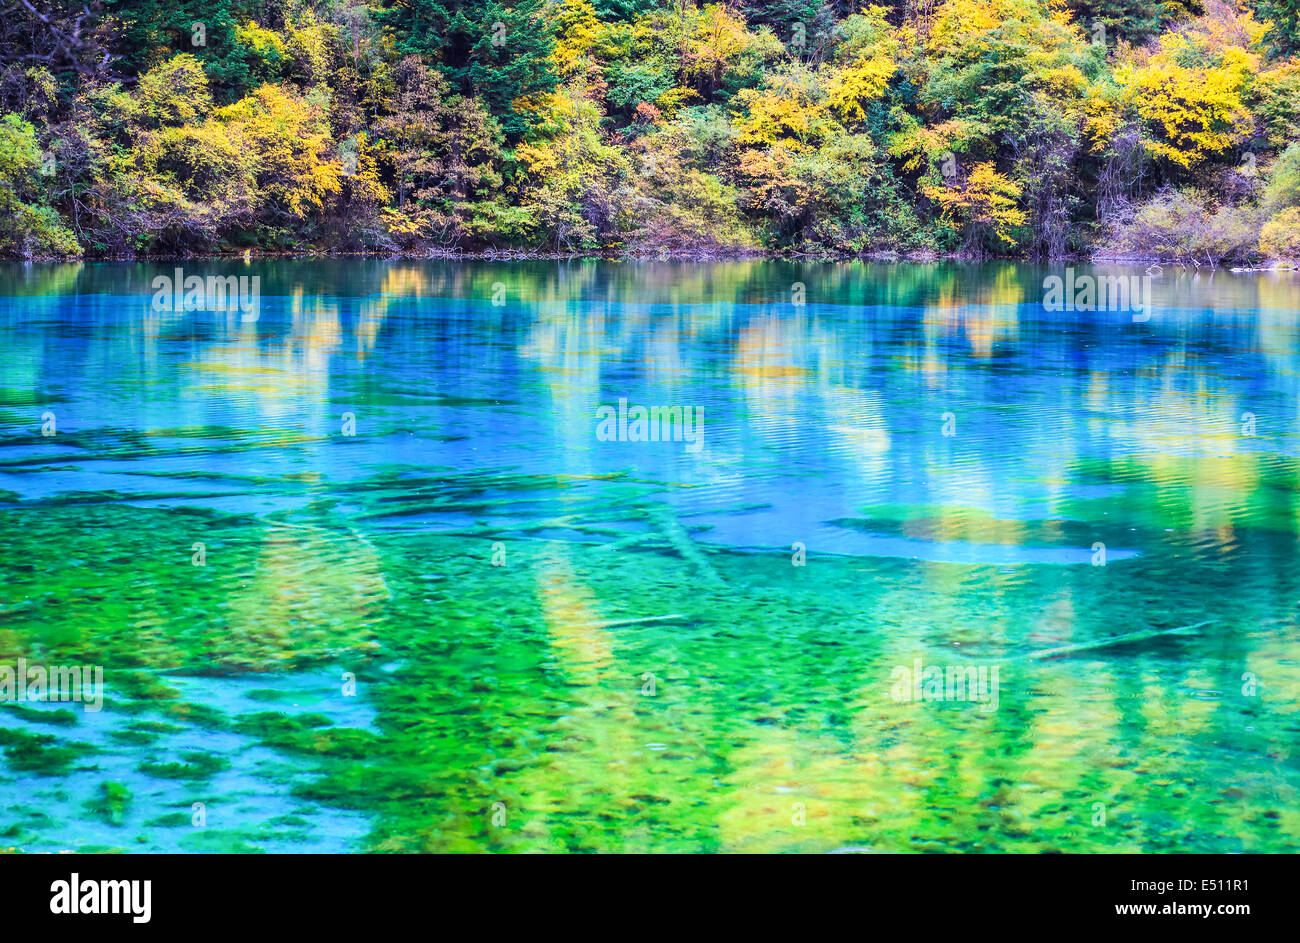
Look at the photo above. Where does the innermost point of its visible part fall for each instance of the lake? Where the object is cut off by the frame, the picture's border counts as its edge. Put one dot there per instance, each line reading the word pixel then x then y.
pixel 580 556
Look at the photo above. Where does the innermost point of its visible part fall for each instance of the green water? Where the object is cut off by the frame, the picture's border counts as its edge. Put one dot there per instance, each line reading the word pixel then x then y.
pixel 467 623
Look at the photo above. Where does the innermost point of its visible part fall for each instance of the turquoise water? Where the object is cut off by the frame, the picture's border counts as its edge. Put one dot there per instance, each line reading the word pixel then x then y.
pixel 437 608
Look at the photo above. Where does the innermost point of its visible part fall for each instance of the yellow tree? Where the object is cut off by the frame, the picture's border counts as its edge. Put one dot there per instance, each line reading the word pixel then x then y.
pixel 1195 113
pixel 721 44
pixel 981 206
pixel 576 29
pixel 1190 91
pixel 288 138
pixel 865 62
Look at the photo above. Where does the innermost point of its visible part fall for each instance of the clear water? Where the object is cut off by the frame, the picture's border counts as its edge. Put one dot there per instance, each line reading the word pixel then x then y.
pixel 438 612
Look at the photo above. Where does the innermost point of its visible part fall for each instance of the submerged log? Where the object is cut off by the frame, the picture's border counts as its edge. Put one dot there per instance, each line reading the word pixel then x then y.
pixel 618 623
pixel 1139 636
pixel 680 540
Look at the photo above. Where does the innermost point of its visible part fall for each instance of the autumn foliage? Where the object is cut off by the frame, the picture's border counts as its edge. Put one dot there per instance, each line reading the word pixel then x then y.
pixel 1040 128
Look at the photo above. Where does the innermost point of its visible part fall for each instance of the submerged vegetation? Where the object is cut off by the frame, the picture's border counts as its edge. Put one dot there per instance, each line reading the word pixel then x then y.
pixel 1043 128
pixel 511 710
pixel 472 625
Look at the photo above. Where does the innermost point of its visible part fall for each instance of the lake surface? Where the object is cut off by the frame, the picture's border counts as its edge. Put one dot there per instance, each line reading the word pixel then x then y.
pixel 364 571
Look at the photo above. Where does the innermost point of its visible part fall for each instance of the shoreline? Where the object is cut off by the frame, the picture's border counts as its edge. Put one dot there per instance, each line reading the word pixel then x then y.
pixel 757 255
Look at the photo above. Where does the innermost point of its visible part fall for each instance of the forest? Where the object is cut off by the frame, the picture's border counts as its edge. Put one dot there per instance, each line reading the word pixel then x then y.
pixel 1038 129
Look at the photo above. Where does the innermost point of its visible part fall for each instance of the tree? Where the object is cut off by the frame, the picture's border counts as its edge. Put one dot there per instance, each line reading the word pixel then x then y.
pixel 174 93
pixel 1195 113
pixel 27 226
pixel 151 31
pixel 1279 238
pixel 1046 152
pixel 1109 21
pixel 679 204
pixel 864 62
pixel 288 142
pixel 499 54
pixel 444 152
pixel 1284 35
pixel 983 207
pixel 573 184
pixel 985 58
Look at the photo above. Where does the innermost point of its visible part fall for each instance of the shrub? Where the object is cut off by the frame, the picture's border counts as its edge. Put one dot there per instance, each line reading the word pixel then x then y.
pixel 1280 236
pixel 28 228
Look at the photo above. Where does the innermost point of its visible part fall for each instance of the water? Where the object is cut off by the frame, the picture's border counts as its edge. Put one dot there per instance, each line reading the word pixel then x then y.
pixel 362 575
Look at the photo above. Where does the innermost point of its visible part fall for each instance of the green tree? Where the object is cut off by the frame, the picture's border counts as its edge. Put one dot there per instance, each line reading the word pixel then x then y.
pixel 1285 17
pixel 1132 20
pixel 151 31
pixel 488 51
